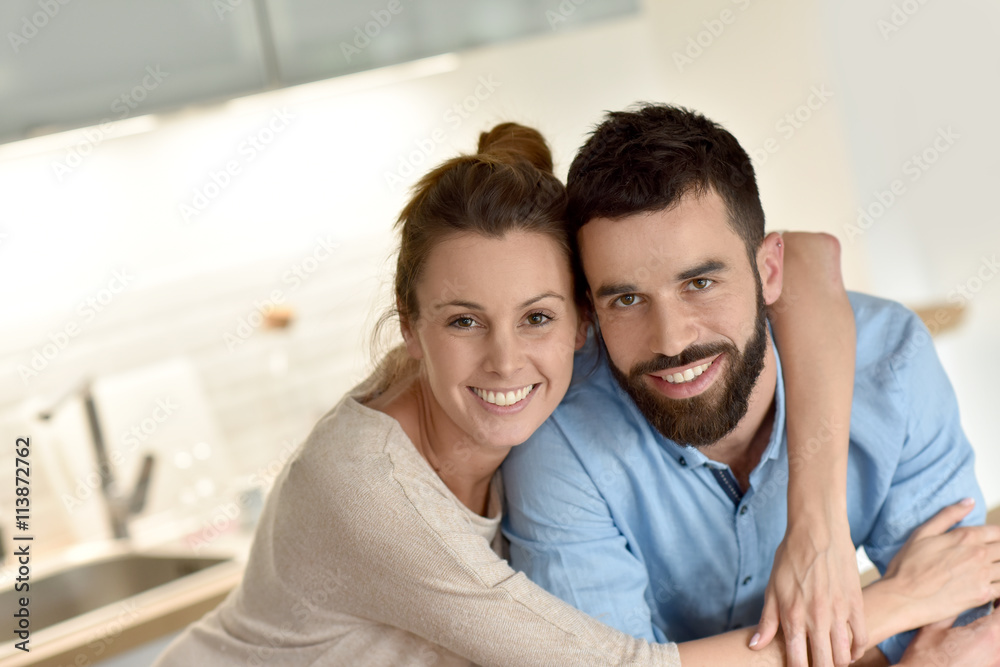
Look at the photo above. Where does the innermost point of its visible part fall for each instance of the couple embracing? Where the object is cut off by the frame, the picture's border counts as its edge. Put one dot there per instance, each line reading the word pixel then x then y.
pixel 701 424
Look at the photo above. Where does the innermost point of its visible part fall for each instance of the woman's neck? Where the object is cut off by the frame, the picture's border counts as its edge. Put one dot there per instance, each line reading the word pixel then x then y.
pixel 465 465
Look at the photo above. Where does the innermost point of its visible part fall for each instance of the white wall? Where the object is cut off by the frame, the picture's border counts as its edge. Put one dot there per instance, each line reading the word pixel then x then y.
pixel 323 174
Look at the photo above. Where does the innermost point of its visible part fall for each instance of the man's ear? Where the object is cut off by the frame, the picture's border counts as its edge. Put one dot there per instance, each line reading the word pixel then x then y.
pixel 770 265
pixel 410 338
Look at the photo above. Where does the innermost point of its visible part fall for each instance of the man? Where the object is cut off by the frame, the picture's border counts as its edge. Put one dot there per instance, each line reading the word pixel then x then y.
pixel 654 498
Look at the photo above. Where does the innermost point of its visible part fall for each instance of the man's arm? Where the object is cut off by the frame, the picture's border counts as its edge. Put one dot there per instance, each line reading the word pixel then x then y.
pixel 919 589
pixel 935 464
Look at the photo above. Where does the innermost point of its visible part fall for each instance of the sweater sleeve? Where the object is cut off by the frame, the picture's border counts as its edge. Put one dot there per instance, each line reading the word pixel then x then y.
pixel 402 554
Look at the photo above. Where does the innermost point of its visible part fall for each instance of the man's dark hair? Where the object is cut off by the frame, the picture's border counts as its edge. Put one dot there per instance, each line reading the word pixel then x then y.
pixel 647 158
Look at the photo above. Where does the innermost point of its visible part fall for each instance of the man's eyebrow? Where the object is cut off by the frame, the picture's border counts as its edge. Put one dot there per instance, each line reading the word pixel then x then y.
pixel 614 289
pixel 471 305
pixel 711 266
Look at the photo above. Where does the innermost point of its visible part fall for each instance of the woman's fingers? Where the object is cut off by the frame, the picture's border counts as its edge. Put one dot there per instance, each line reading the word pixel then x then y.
pixel 859 632
pixel 768 626
pixel 840 643
pixel 945 519
pixel 795 646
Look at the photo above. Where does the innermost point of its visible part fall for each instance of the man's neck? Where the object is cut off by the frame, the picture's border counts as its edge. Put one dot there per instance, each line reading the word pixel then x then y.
pixel 742 448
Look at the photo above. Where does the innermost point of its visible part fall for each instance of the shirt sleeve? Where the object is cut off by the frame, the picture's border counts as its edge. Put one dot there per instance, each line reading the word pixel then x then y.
pixel 936 463
pixel 412 562
pixel 563 536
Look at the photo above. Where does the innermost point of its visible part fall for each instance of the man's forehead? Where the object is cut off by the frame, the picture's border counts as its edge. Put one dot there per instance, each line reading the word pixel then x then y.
pixel 681 237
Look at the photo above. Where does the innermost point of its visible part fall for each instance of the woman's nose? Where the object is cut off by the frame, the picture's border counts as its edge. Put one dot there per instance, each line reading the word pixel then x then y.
pixel 506 355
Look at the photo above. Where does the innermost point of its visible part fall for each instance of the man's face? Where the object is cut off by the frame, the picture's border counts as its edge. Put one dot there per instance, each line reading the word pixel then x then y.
pixel 682 314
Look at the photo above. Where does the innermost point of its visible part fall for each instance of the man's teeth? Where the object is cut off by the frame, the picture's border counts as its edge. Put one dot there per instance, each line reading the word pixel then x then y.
pixel 501 398
pixel 688 375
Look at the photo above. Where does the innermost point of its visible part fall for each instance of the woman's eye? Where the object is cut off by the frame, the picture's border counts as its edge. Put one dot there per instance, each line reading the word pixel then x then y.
pixel 536 319
pixel 464 322
pixel 700 283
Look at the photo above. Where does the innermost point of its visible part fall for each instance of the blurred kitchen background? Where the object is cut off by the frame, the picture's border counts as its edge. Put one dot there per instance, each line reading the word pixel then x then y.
pixel 196 202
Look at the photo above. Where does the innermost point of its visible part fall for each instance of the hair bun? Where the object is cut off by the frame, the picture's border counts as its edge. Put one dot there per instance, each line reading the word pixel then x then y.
pixel 510 140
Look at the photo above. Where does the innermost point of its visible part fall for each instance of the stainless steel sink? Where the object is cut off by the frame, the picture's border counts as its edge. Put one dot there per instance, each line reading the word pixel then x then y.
pixel 83 588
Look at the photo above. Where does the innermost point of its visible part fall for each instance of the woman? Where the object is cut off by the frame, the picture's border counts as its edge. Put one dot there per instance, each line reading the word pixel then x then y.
pixel 379 543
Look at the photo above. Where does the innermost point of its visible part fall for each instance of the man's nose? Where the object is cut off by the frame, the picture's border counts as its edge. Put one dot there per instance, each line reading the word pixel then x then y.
pixel 506 354
pixel 673 329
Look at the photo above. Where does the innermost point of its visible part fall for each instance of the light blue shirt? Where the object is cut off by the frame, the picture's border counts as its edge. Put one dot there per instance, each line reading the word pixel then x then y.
pixel 655 538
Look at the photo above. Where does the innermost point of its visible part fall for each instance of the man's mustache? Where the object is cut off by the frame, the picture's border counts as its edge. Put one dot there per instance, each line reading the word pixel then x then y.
pixel 690 355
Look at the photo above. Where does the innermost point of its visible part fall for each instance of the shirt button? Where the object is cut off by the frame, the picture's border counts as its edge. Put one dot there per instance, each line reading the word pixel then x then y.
pixel 747 580
pixel 743 510
pixel 682 461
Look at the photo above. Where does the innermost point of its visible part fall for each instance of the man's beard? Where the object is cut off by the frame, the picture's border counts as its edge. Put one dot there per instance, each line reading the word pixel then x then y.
pixel 704 419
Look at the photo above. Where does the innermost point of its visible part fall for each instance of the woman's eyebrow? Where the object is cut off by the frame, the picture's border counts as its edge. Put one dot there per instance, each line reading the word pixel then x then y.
pixel 538 298
pixel 471 305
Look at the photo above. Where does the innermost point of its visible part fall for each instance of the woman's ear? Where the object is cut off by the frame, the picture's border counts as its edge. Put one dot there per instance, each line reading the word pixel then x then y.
pixel 410 338
pixel 770 266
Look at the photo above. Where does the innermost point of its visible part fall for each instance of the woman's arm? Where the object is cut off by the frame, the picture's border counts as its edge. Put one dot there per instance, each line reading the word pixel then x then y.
pixel 814 589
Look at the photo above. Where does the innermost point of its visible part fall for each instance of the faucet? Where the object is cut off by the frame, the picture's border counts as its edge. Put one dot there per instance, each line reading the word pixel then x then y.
pixel 120 506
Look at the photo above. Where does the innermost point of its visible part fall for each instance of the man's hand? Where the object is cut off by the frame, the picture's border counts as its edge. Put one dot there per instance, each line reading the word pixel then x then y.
pixel 940 572
pixel 815 594
pixel 974 645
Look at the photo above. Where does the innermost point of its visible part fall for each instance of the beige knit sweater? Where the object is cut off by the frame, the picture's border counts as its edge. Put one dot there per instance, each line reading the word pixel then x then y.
pixel 363 556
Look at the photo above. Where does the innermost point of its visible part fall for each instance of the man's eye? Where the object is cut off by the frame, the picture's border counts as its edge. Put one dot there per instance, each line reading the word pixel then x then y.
pixel 700 283
pixel 627 300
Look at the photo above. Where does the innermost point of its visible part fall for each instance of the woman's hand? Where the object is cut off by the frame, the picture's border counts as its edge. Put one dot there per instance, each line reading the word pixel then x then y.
pixel 815 593
pixel 942 573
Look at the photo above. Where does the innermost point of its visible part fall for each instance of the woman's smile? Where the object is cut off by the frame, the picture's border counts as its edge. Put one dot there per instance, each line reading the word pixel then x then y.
pixel 504 401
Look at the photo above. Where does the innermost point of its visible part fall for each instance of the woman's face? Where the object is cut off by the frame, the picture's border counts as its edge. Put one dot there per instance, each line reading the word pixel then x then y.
pixel 496 332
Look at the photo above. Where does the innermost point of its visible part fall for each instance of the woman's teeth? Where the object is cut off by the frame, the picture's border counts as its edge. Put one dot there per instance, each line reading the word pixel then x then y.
pixel 501 398
pixel 688 375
